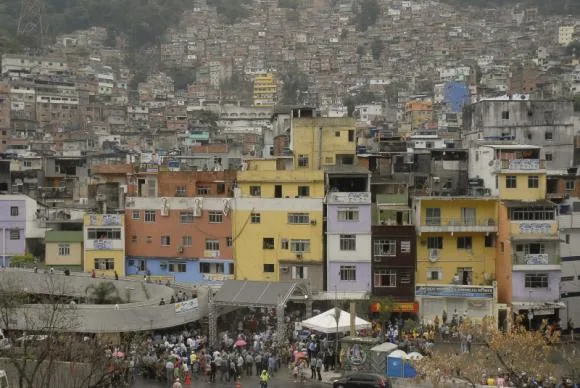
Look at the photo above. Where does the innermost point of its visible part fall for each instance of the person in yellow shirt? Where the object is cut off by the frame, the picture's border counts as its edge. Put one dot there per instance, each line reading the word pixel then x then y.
pixel 264 377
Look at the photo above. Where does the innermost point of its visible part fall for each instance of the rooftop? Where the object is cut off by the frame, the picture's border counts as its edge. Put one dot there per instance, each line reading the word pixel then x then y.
pixel 63 236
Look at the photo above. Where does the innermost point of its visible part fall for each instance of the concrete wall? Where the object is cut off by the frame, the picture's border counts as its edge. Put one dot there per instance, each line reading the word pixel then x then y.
pixel 361 284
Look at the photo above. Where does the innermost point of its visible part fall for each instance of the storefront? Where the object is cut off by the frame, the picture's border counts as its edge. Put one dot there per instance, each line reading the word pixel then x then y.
pixel 398 307
pixel 475 302
pixel 534 314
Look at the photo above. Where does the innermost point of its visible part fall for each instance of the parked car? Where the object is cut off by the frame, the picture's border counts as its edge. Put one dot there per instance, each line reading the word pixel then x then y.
pixel 362 380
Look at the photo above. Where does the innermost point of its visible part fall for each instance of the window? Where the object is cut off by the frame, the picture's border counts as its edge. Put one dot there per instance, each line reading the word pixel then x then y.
pixel 203 190
pixel 567 278
pixel 434 242
pixel 104 233
pixel 216 217
pixel 337 133
pixel 505 115
pixel 298 218
pixel 14 211
pixel 64 249
pixel 405 246
pixel 255 218
pixel 548 136
pixel 464 242
pixel 465 275
pixel 489 240
pixel 567 239
pixel 284 244
pixel 533 182
pixel 269 268
pixel 433 216
pixel 149 215
pixel 549 157
pixel 186 217
pixel 570 185
pixel 165 241
pixel 351 135
pixel 536 280
pixel 434 274
pixel 229 242
pixel 27 163
pixel 531 213
pixel 405 277
pixel 348 214
pixel 134 238
pixel 148 239
pixel 180 191
pixel 212 245
pixel 347 242
pixel 186 241
pixel 255 191
pixel 348 273
pixel 304 191
pixel 511 182
pixel 302 160
pixel 385 247
pixel 268 243
pixel 211 268
pixel 105 264
pixel 177 267
pixel 136 214
pixel 299 272
pixel 300 246
pixel 385 278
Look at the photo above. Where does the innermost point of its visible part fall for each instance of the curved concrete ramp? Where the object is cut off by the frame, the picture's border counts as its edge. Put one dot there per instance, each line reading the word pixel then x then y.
pixel 144 313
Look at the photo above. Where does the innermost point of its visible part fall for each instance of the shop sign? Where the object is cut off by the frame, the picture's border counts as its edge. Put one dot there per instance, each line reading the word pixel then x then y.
pixel 455 291
pixel 187 305
pixel 543 312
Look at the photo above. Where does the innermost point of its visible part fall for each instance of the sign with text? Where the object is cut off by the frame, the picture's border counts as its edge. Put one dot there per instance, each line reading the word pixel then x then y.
pixel 455 291
pixel 104 219
pixel 186 306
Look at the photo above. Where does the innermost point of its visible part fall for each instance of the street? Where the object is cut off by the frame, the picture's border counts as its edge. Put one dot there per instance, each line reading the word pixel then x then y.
pixel 277 382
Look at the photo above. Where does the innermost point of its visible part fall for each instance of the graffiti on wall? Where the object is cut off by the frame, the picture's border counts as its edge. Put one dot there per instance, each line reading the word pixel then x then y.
pixel 538 228
pixel 525 164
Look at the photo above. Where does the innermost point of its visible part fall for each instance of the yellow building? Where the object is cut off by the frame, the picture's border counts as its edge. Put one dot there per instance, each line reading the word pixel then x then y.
pixel 319 142
pixel 419 113
pixel 104 244
pixel 265 90
pixel 64 249
pixel 277 223
pixel 456 239
pixel 456 256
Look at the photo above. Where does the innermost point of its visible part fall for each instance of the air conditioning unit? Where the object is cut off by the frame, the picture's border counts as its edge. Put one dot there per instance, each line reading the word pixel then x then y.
pixel 299 256
pixel 433 255
pixel 284 268
pixel 313 222
pixel 180 250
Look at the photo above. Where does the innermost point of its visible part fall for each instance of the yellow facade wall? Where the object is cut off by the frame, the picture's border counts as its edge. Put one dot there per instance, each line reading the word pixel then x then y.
pixel 54 259
pixel 248 246
pixel 451 212
pixel 117 256
pixel 290 180
pixel 522 192
pixel 480 258
pixel 321 139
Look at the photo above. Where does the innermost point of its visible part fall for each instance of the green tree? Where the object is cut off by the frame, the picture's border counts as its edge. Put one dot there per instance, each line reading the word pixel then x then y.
pixel 361 50
pixel 181 76
pixel 385 310
pixel 103 293
pixel 573 49
pixel 25 261
pixel 231 11
pixel 294 84
pixel 377 47
pixel 367 15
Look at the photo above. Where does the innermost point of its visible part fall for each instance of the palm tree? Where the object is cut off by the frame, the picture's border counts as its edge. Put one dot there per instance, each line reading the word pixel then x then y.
pixel 103 293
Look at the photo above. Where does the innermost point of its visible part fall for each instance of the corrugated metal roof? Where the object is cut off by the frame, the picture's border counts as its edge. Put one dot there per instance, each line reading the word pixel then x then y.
pixel 63 236
pixel 253 293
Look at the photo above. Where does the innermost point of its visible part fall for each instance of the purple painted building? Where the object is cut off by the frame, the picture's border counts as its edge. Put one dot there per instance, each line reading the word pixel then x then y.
pixel 348 233
pixel 13 227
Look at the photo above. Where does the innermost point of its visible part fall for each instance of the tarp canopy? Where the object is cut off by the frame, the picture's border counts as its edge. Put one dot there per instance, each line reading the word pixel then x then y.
pixel 244 293
pixel 326 322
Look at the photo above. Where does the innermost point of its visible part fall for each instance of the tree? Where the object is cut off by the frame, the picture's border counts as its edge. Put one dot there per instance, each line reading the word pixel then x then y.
pixel 181 77
pixel 573 49
pixel 103 293
pixel 377 47
pixel 231 11
pixel 515 352
pixel 25 261
pixel 367 15
pixel 294 84
pixel 46 354
pixel 385 309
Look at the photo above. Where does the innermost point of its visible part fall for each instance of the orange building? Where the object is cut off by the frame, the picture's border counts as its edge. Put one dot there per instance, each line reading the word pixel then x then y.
pixel 184 239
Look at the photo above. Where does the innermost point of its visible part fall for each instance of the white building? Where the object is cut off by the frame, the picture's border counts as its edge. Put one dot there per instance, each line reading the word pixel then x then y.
pixel 369 112
pixel 565 35
pixel 569 226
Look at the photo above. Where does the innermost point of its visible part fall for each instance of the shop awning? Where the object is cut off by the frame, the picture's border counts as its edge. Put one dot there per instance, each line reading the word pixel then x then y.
pixel 538 308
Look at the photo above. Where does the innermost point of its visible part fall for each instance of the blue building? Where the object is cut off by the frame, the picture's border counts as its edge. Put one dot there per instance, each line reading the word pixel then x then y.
pixel 455 95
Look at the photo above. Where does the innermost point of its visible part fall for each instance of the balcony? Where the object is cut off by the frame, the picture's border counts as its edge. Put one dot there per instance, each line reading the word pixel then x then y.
pixel 519 165
pixel 534 229
pixel 536 262
pixel 458 225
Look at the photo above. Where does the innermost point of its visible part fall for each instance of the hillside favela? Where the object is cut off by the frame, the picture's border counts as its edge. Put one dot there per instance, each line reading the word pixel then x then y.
pixel 289 193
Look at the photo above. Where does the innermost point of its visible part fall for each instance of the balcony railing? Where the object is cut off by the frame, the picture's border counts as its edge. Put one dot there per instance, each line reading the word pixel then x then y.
pixel 520 164
pixel 535 259
pixel 437 224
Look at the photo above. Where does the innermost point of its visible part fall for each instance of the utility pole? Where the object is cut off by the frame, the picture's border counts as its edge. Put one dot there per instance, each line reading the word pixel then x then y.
pixel 30 20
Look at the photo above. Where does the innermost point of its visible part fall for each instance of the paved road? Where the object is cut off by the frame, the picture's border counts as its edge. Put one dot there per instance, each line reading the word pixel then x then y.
pixel 246 383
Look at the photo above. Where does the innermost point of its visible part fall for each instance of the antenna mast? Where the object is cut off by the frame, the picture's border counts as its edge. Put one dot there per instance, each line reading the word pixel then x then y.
pixel 30 20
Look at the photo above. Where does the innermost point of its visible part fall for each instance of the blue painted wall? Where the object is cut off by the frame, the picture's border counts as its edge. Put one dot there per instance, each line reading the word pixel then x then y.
pixel 456 95
pixel 158 266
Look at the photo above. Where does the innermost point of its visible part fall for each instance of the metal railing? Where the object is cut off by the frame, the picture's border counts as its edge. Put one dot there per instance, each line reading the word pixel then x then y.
pixel 438 221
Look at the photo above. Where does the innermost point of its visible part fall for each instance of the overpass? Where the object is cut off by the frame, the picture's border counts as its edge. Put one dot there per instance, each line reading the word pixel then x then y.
pixel 142 313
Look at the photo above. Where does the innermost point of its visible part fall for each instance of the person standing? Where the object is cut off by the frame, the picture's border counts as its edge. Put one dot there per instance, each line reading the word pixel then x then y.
pixel 319 364
pixel 249 364
pixel 312 368
pixel 169 371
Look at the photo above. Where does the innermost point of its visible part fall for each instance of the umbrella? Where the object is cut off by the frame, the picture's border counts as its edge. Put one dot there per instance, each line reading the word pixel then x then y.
pixel 118 354
pixel 240 343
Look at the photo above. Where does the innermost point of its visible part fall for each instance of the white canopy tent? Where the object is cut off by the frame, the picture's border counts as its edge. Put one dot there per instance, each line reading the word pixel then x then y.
pixel 326 322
